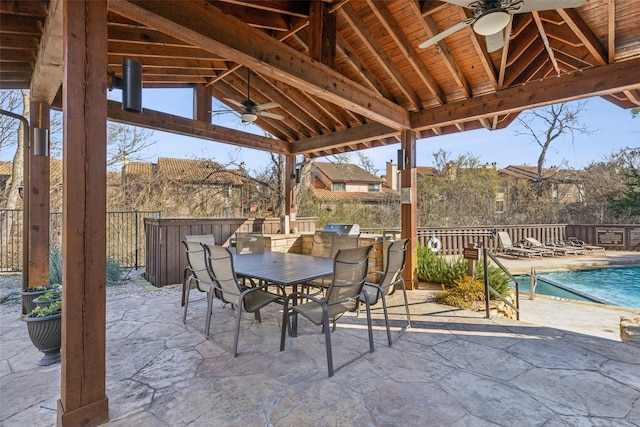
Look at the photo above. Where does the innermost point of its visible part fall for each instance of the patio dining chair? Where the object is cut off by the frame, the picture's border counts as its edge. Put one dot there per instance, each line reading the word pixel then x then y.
pixel 343 295
pixel 195 273
pixel 247 243
pixel 219 263
pixel 387 281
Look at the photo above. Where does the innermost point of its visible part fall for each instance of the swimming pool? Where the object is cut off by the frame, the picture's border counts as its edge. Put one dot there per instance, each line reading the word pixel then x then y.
pixel 614 286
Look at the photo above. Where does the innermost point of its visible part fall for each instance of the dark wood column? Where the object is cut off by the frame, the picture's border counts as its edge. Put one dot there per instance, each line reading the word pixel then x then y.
pixel 290 191
pixel 322 38
pixel 83 399
pixel 202 103
pixel 409 210
pixel 38 189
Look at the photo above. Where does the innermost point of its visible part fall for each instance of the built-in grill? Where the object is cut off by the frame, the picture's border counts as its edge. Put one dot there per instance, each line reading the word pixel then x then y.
pixel 349 229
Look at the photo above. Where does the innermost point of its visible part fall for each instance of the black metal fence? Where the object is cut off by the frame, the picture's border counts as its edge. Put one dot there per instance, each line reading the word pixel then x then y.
pixel 125 237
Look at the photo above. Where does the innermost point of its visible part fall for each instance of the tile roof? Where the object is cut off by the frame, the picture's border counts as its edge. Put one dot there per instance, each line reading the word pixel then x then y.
pixel 346 173
pixel 385 195
pixel 188 170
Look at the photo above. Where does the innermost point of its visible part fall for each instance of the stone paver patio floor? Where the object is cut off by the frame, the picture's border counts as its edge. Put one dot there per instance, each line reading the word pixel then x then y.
pixel 452 368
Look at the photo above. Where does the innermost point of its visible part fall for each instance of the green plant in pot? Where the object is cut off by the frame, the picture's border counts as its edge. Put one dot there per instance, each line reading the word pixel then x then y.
pixel 44 326
pixel 30 294
pixel 48 297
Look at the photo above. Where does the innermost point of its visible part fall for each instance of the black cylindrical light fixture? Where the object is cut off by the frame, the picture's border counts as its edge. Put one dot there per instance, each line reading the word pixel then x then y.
pixel 401 159
pixel 131 85
pixel 40 142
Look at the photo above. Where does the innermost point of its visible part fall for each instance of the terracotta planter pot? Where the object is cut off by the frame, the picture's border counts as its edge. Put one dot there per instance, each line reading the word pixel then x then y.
pixel 46 335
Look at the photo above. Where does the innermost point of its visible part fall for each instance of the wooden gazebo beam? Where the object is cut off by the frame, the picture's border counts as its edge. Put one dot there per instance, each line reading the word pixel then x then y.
pixel 203 25
pixel 598 81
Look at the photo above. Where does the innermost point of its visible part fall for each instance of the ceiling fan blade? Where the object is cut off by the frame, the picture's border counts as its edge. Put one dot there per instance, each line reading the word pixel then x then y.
pixel 269 115
pixel 495 41
pixel 266 106
pixel 530 6
pixel 446 33
pixel 231 101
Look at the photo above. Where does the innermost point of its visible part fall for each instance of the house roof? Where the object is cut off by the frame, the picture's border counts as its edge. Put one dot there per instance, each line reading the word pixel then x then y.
pixel 346 172
pixel 188 170
pixel 359 92
pixel 6 168
pixel 384 195
pixel 531 173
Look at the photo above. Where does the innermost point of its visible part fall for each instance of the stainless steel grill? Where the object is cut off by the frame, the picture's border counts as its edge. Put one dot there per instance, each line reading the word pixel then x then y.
pixel 349 229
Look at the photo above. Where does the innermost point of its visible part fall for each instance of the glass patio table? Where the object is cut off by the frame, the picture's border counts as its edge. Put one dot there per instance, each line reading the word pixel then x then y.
pixel 286 269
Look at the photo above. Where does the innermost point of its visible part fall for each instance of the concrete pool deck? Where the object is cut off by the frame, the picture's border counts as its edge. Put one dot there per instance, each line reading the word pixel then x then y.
pixel 562 364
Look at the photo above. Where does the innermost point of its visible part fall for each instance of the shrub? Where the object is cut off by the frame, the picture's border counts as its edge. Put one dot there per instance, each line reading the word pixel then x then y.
pixel 55 268
pixel 467 292
pixel 497 278
pixel 437 269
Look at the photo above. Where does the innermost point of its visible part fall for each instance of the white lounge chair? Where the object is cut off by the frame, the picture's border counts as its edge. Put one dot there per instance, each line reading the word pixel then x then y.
pixel 516 251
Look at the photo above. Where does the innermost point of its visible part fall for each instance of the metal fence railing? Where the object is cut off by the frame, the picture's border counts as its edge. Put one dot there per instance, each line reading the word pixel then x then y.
pixel 125 237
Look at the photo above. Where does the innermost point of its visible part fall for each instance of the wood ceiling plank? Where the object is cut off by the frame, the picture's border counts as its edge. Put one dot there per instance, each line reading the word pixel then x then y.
pixel 16 24
pixel 349 14
pixel 430 27
pixel 584 33
pixel 205 26
pixel 290 7
pixel 361 68
pixel 156 120
pixel 483 56
pixel 149 62
pixel 402 42
pixel 597 81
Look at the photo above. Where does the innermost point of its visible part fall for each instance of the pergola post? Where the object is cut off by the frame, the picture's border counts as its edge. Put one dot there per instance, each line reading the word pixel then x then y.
pixel 202 103
pixel 409 207
pixel 38 200
pixel 290 191
pixel 83 399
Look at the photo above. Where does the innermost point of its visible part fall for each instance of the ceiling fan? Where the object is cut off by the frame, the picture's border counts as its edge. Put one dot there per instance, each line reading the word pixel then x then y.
pixel 249 109
pixel 490 17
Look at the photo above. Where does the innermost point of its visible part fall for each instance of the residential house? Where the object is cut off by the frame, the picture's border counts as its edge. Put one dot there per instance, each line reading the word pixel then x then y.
pixel 186 187
pixel 562 186
pixel 333 182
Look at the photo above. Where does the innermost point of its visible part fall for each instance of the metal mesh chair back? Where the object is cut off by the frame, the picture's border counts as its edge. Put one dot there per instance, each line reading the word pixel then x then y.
pixel 220 267
pixel 344 241
pixel 249 243
pixel 197 264
pixel 201 238
pixel 322 244
pixel 349 272
pixel 396 257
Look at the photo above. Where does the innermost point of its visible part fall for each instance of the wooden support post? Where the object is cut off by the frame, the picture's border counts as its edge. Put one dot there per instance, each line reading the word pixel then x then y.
pixel 202 103
pixel 83 399
pixel 408 209
pixel 38 189
pixel 290 192
pixel 322 38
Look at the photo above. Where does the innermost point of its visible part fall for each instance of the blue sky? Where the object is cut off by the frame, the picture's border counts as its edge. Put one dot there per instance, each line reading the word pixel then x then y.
pixel 613 127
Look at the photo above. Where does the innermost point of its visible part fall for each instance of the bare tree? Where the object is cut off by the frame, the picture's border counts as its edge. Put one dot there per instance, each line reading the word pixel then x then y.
pixel 546 125
pixel 15 181
pixel 126 143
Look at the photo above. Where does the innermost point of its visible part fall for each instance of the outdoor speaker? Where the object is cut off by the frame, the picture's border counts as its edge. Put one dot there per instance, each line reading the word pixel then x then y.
pixel 131 85
pixel 40 142
pixel 400 159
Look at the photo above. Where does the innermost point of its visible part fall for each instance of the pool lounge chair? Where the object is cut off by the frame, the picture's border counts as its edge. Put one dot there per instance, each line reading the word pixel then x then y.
pixel 544 249
pixel 568 248
pixel 516 251
pixel 579 243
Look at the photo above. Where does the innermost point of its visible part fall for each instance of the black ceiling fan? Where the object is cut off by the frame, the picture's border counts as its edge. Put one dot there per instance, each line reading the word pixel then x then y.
pixel 250 110
pixel 490 17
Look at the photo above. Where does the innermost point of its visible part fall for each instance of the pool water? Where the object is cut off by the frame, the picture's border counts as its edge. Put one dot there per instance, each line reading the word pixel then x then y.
pixel 614 286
